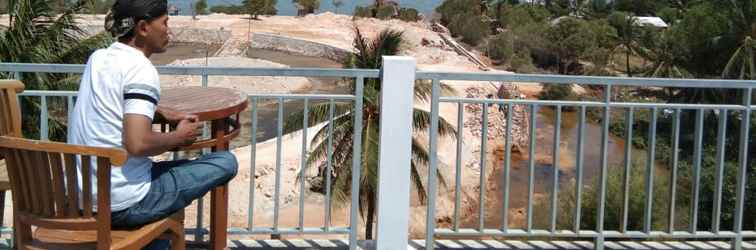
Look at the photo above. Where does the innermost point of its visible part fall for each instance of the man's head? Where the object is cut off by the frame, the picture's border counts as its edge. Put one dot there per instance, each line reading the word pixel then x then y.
pixel 143 22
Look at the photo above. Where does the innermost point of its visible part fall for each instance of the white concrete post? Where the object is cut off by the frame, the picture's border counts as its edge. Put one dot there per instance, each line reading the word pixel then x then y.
pixel 397 102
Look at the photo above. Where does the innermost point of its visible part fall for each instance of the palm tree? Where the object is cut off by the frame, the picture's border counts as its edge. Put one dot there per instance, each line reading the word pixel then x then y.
pixel 741 64
pixel 368 55
pixel 628 36
pixel 38 34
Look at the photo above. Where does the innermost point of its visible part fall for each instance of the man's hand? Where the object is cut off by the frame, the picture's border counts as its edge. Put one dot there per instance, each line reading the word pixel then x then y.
pixel 171 115
pixel 188 129
pixel 140 140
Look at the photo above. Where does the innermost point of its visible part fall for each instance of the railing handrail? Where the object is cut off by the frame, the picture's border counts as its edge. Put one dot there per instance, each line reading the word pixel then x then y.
pixel 202 70
pixel 607 105
pixel 374 73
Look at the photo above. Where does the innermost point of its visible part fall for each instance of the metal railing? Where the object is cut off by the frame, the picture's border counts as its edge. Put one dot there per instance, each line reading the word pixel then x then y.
pixel 357 75
pixel 606 106
pixel 599 233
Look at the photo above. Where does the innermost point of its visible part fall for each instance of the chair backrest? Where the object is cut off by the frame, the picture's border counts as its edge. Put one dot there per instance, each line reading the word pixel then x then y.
pixel 43 178
pixel 10 113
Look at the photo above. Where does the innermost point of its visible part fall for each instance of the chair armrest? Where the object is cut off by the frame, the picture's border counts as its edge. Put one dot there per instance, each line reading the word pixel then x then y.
pixel 117 156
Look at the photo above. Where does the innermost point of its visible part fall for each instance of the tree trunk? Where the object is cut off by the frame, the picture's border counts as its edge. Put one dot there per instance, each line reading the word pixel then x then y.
pixel 627 62
pixel 370 218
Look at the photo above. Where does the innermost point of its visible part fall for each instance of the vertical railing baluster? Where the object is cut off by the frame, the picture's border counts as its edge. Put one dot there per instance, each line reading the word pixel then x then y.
pixel 721 140
pixel 507 166
pixel 43 125
pixel 745 124
pixel 483 151
pixel 430 222
pixel 252 166
pixel 531 165
pixel 697 153
pixel 650 171
pixel 458 171
pixel 303 163
pixel 628 165
pixel 599 242
pixel 277 188
pixel 673 178
pixel 70 104
pixel 329 166
pixel 356 162
pixel 555 166
pixel 579 170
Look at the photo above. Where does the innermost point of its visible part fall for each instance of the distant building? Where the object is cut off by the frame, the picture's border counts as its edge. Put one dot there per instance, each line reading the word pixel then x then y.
pixel 647 21
pixel 651 21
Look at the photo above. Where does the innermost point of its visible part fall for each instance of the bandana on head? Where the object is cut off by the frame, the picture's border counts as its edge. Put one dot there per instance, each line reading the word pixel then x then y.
pixel 118 28
pixel 125 14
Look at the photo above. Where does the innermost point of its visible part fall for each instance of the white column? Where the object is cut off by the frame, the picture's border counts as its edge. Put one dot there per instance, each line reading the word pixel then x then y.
pixel 397 102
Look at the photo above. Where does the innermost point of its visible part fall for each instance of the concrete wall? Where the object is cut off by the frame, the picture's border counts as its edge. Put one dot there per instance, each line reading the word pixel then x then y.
pixel 297 46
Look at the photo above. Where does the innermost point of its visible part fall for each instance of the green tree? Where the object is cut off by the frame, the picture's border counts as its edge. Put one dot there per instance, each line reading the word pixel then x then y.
pixel 451 8
pixel 470 27
pixel 337 4
pixel 637 7
pixel 307 6
pixel 368 55
pixel 256 8
pixel 200 7
pixel 741 64
pixel 628 33
pixel 37 34
pixel 568 39
pixel 665 57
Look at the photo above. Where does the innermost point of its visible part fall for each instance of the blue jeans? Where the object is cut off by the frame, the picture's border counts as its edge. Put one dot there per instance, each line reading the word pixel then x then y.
pixel 175 184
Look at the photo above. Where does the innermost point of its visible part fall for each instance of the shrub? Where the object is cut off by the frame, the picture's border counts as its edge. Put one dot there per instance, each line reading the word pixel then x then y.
pixel 470 27
pixel 363 11
pixel 614 201
pixel 522 62
pixel 385 12
pixel 501 47
pixel 228 9
pixel 451 8
pixel 409 15
pixel 557 92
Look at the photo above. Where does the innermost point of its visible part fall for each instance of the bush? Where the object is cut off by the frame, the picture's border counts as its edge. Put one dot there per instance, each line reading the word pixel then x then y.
pixel 451 8
pixel 614 201
pixel 523 14
pixel 409 15
pixel 363 11
pixel 200 7
pixel 259 7
pixel 501 47
pixel 522 62
pixel 385 12
pixel 470 27
pixel 557 92
pixel 228 9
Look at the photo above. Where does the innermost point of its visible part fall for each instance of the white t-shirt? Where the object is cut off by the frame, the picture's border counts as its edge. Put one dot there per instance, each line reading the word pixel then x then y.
pixel 117 80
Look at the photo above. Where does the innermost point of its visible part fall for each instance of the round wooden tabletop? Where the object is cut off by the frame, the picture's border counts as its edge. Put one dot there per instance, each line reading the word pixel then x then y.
pixel 208 103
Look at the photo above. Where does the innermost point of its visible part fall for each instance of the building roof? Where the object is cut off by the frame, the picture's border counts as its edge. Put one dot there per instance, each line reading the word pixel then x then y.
pixel 651 21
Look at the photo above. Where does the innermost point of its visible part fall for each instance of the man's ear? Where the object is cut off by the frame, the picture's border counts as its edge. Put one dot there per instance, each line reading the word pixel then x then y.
pixel 142 28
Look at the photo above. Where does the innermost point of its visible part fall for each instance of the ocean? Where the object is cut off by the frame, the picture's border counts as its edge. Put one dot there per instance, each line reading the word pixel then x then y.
pixel 287 8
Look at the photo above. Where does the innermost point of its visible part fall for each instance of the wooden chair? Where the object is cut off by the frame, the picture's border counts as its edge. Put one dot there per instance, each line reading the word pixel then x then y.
pixel 43 179
pixel 10 124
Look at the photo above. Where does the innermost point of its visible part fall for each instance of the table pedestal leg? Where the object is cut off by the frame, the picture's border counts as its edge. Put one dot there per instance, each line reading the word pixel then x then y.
pixel 219 195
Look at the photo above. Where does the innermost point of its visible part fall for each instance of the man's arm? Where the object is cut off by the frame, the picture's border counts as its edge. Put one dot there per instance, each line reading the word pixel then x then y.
pixel 140 140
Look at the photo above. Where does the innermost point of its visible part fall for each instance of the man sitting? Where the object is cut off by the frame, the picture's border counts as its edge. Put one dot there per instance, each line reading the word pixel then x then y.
pixel 116 103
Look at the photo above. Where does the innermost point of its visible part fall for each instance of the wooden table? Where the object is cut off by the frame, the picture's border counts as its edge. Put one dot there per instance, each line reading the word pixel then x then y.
pixel 217 106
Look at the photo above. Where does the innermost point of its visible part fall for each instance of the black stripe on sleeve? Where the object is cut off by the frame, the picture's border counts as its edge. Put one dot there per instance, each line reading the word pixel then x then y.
pixel 140 96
